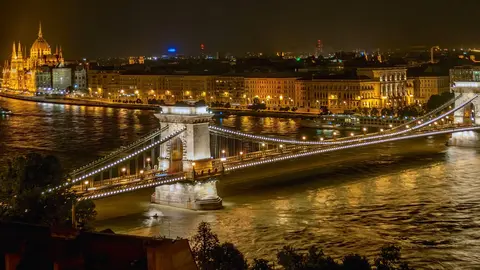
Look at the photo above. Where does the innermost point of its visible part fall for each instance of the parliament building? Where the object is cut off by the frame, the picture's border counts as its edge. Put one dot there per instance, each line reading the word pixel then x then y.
pixel 25 72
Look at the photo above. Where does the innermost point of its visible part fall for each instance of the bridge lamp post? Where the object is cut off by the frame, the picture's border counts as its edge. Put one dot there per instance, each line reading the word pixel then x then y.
pixel 304 138
pixel 351 134
pixel 124 171
pixel 241 155
pixel 407 126
pixel 223 153
pixel 364 131
pixel 86 185
pixel 381 130
pixel 148 163
pixel 193 170
pixel 321 139
pixel 390 126
pixel 334 135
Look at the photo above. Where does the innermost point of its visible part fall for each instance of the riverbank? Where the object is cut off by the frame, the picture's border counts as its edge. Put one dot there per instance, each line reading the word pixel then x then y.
pixel 80 102
pixel 249 112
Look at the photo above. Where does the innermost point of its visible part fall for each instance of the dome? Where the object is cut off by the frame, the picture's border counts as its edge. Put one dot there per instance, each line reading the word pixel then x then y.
pixel 40 46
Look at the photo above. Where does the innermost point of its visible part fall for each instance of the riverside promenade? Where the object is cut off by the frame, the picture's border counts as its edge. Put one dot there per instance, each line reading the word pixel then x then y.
pixel 79 102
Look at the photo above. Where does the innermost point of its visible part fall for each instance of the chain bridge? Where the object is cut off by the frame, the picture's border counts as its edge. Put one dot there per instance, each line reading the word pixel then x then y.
pixel 186 155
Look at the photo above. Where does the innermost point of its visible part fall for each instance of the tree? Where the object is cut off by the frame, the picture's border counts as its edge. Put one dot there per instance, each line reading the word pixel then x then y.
pixel 436 101
pixel 365 111
pixel 390 259
pixel 374 111
pixel 228 257
pixel 85 213
pixel 23 182
pixel 355 262
pixel 204 244
pixel 290 259
pixel 261 264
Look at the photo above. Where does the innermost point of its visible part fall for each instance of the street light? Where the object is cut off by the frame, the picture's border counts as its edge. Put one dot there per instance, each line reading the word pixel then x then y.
pixel 364 131
pixel 86 185
pixel 241 153
pixel 141 171
pixel 381 130
pixel 334 134
pixel 351 134
pixel 123 171
pixel 304 138
pixel 321 138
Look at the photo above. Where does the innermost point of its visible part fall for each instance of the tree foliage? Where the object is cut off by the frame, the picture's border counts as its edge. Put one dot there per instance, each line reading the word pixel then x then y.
pixel 22 184
pixel 211 255
pixel 390 259
pixel 436 101
pixel 204 244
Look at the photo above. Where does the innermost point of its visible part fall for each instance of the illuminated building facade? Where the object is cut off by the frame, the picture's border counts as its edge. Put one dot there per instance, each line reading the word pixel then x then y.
pixel 274 90
pixel 20 72
pixel 393 84
pixel 338 94
pixel 426 86
pixel 229 89
pixel 61 78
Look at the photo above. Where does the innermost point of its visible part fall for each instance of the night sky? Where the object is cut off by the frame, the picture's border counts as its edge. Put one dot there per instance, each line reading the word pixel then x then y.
pixel 94 28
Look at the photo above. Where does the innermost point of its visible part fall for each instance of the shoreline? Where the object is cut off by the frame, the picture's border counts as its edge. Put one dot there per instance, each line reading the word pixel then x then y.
pixel 76 102
pixel 219 112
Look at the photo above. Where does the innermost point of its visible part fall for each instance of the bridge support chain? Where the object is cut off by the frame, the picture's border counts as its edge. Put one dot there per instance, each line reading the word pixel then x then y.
pixel 465 139
pixel 194 195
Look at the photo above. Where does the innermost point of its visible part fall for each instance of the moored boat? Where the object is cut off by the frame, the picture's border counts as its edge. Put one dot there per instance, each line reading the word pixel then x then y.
pixel 5 111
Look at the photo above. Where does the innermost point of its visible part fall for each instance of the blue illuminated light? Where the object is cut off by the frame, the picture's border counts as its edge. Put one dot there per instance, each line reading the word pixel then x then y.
pixel 172 50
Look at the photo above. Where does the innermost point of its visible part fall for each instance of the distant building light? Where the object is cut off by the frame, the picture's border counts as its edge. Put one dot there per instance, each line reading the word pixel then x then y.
pixel 467 84
pixel 172 50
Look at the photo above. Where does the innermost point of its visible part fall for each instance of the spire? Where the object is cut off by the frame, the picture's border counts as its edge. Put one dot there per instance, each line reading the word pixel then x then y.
pixel 40 34
pixel 56 50
pixel 20 55
pixel 61 53
pixel 14 51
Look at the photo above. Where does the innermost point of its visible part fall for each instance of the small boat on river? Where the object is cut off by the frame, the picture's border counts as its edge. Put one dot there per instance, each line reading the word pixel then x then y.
pixel 5 111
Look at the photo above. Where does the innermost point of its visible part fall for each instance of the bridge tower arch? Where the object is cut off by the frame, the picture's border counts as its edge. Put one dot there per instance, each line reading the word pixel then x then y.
pixel 466 89
pixel 190 149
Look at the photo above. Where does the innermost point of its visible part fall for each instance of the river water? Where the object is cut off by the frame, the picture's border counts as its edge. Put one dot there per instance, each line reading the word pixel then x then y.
pixel 419 194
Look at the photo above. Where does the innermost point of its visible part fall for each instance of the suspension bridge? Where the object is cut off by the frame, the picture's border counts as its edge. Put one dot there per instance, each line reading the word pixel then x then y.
pixel 186 155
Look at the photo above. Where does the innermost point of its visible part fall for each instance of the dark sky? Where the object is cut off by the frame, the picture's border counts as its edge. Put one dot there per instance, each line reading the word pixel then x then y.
pixel 93 28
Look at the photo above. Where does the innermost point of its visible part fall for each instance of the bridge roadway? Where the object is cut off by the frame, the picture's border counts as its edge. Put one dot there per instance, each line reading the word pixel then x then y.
pixel 154 178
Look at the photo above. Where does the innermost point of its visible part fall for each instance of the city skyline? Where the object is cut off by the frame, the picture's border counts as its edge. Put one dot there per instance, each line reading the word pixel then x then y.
pixel 91 29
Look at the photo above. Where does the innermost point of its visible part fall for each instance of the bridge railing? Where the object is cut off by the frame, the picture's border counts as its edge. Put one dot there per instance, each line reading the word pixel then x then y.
pixel 132 185
pixel 121 150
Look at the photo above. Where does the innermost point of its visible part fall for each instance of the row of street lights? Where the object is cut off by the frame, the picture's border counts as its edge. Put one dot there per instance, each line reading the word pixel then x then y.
pixel 124 172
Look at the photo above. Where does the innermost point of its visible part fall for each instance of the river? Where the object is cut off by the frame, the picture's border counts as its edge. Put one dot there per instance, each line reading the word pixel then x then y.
pixel 420 194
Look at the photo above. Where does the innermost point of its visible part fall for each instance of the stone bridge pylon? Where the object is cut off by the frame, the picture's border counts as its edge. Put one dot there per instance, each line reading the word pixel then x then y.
pixel 470 114
pixel 188 152
pixel 190 149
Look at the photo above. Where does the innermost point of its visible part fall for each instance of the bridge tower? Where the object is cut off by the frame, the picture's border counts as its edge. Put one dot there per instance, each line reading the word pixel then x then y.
pixel 189 152
pixel 191 149
pixel 465 86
